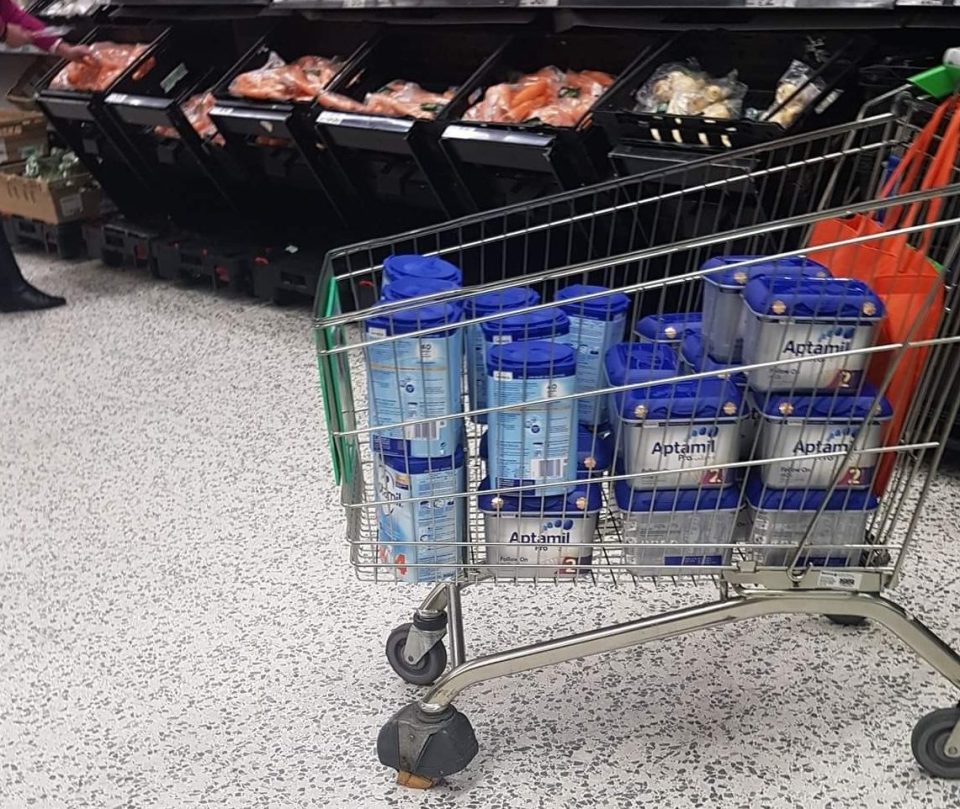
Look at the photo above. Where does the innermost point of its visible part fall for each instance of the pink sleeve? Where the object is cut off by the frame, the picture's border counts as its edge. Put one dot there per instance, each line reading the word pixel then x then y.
pixel 11 13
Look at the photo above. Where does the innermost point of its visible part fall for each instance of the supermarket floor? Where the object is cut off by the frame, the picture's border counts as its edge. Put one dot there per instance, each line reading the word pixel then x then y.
pixel 179 626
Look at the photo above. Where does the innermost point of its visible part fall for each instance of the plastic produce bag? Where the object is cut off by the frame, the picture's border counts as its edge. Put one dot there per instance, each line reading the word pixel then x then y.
pixel 682 88
pixel 407 98
pixel 549 96
pixel 796 91
pixel 303 80
pixel 197 111
pixel 97 74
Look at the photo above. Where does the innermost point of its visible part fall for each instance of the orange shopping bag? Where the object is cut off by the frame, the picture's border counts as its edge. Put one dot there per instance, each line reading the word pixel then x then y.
pixel 901 274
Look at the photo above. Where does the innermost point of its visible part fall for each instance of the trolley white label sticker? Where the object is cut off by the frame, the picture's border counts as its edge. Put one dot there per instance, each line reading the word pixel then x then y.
pixel 173 78
pixel 502 374
pixel 840 580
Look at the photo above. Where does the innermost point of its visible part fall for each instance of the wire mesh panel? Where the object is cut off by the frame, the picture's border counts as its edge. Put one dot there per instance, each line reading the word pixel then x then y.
pixel 740 369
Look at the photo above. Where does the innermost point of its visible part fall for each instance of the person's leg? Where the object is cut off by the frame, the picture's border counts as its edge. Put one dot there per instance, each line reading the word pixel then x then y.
pixel 16 295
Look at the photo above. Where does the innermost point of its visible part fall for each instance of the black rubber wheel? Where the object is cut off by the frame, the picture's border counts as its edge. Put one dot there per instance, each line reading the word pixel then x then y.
pixel 848 620
pixel 929 740
pixel 426 670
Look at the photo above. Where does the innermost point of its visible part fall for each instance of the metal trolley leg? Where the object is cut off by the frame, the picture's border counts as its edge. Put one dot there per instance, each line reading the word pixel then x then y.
pixel 431 738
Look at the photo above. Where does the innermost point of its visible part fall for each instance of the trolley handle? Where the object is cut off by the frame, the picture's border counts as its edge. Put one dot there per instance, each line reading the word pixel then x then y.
pixel 943 80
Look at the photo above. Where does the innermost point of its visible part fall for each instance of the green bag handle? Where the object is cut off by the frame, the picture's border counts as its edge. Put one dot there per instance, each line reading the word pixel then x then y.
pixel 943 80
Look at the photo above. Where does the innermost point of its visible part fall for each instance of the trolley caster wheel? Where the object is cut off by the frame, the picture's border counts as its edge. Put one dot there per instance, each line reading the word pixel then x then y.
pixel 425 670
pixel 929 743
pixel 424 747
pixel 847 620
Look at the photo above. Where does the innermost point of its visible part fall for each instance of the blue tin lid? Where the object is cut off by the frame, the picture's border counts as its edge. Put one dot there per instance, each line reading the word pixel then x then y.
pixel 606 308
pixel 532 359
pixel 826 407
pixel 535 325
pixel 815 298
pixel 406 288
pixel 594 450
pixel 713 399
pixel 646 501
pixel 694 352
pixel 585 499
pixel 502 300
pixel 763 497
pixel 414 266
pixel 418 466
pixel 668 327
pixel 415 318
pixel 623 358
pixel 738 277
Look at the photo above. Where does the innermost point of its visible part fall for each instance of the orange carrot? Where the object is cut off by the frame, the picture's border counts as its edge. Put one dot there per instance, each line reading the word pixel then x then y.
pixel 531 91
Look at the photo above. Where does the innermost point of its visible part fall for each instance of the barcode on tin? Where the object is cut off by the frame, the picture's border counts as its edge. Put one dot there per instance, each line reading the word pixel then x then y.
pixel 547 467
pixel 428 431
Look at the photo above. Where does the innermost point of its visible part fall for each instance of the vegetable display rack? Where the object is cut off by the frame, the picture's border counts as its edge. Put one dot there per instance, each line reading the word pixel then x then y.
pixel 773 422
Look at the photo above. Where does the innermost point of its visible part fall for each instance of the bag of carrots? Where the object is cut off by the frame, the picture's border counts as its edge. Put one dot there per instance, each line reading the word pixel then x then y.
pixel 549 96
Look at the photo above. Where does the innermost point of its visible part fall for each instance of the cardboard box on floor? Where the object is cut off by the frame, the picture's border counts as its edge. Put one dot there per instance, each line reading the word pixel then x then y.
pixel 22 134
pixel 51 201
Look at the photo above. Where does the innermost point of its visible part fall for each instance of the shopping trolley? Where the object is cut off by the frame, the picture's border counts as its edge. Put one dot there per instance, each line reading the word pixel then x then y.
pixel 812 513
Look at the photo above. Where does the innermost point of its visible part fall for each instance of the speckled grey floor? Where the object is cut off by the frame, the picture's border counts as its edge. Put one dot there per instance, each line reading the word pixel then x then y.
pixel 179 626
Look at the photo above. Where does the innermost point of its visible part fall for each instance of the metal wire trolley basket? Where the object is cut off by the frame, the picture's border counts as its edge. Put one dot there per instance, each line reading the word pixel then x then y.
pixel 740 370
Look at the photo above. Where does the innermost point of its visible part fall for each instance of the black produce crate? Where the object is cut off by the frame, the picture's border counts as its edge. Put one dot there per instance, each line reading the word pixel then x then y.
pixel 64 240
pixel 760 59
pixel 502 164
pixel 276 142
pixel 196 259
pixel 121 243
pixel 399 160
pixel 285 275
pixel 197 182
pixel 82 123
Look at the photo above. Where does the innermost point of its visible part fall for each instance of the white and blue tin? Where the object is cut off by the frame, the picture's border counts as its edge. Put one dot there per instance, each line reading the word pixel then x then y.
pixel 415 377
pixel 723 316
pixel 405 289
pixel 807 322
pixel 691 529
pixel 419 267
pixel 595 325
pixel 624 360
pixel 594 451
pixel 802 428
pixel 484 305
pixel 779 519
pixel 421 520
pixel 534 443
pixel 669 327
pixel 539 537
pixel 679 433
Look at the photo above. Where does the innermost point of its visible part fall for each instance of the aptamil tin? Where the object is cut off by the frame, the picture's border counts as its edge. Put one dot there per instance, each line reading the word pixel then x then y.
pixel 623 360
pixel 670 426
pixel 780 517
pixel 594 451
pixel 483 305
pixel 670 327
pixel 414 266
pixel 540 324
pixel 539 537
pixel 404 289
pixel 595 325
pixel 723 316
pixel 798 427
pixel 420 521
pixel 415 378
pixel 532 444
pixel 801 318
pixel 688 528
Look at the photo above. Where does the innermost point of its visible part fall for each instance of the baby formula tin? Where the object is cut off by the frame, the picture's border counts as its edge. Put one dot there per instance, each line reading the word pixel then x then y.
pixel 422 267
pixel 540 324
pixel 532 444
pixel 405 289
pixel 483 305
pixel 812 320
pixel 415 377
pixel 594 451
pixel 420 523
pixel 673 426
pixel 595 325
pixel 779 518
pixel 539 537
pixel 624 360
pixel 723 316
pixel 688 528
pixel 670 327
pixel 802 427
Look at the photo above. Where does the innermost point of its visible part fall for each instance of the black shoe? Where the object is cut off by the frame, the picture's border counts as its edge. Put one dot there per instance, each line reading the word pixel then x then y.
pixel 25 298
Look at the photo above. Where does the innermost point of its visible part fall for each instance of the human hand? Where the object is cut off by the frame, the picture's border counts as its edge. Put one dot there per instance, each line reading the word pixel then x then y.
pixel 17 36
pixel 76 53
